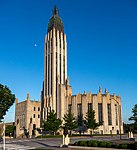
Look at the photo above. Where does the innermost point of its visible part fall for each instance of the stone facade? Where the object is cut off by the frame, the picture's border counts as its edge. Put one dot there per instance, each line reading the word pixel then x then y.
pixel 57 93
pixel 107 110
pixel 55 66
pixel 27 117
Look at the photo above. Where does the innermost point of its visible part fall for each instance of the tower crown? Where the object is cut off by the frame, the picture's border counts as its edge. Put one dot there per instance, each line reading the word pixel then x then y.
pixel 55 21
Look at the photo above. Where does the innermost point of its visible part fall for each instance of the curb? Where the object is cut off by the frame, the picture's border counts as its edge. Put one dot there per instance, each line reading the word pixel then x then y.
pixel 94 148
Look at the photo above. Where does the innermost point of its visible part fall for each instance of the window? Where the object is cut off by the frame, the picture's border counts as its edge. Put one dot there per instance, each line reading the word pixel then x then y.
pixel 34 108
pixel 116 114
pixel 48 72
pixel 38 109
pixel 30 120
pixel 109 114
pixel 34 116
pixel 79 108
pixel 34 126
pixel 69 107
pixel 60 67
pixel 38 116
pixel 100 114
pixel 89 106
pixel 51 75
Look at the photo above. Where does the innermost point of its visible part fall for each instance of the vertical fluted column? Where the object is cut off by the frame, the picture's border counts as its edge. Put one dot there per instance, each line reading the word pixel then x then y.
pixel 95 107
pixel 54 49
pixel 65 47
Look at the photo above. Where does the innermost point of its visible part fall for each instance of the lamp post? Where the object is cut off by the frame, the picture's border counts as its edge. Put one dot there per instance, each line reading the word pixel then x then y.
pixel 3 135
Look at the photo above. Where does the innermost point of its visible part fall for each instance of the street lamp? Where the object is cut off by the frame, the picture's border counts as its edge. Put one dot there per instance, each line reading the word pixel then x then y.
pixel 3 135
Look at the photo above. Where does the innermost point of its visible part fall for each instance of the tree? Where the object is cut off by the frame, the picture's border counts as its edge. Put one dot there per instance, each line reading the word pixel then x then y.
pixel 52 124
pixel 134 118
pixel 70 121
pixel 9 130
pixel 81 125
pixel 6 100
pixel 90 120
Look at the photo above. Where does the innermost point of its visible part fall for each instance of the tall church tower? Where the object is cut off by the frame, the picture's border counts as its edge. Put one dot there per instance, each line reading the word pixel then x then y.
pixel 55 65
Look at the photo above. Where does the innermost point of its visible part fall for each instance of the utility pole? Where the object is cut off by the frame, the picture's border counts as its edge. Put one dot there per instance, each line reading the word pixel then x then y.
pixel 3 135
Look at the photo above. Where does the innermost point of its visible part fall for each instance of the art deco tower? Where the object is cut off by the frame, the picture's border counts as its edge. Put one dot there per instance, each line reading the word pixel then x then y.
pixel 55 63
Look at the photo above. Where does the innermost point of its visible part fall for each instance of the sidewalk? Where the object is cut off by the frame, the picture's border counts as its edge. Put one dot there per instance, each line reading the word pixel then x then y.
pixel 92 148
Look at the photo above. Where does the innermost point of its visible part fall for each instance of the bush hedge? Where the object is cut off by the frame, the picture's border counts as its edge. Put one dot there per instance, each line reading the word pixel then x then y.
pixel 135 146
pixel 94 143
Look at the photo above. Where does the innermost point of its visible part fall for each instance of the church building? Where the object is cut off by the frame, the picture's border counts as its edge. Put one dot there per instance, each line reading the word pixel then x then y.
pixel 57 92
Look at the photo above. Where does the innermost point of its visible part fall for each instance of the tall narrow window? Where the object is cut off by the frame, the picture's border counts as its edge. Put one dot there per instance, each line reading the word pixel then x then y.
pixel 109 114
pixel 51 73
pixel 46 76
pixel 48 72
pixel 116 114
pixel 100 114
pixel 89 106
pixel 34 126
pixel 51 44
pixel 56 78
pixel 79 108
pixel 56 42
pixel 64 67
pixel 69 107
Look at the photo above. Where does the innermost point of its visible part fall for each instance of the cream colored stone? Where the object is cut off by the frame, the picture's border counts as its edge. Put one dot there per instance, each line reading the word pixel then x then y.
pixel 24 114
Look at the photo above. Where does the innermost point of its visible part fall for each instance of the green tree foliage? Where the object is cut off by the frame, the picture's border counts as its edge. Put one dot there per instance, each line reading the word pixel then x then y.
pixel 81 125
pixel 9 130
pixel 6 100
pixel 70 121
pixel 134 116
pixel 80 120
pixel 90 120
pixel 52 124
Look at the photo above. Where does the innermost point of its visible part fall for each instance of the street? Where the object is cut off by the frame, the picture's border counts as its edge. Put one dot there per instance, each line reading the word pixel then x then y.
pixel 49 143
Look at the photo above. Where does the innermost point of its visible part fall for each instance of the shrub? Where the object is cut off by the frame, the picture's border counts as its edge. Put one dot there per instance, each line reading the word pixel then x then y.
pixel 105 144
pixel 94 143
pixel 89 143
pixel 102 144
pixel 130 146
pixel 76 143
pixel 123 146
pixel 135 146
pixel 79 143
pixel 82 143
pixel 108 144
pixel 116 145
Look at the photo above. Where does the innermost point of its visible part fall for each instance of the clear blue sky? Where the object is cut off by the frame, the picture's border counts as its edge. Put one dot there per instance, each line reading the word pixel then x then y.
pixel 102 46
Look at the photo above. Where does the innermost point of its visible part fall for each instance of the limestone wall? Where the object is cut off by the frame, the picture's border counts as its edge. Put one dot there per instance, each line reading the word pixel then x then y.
pixel 104 100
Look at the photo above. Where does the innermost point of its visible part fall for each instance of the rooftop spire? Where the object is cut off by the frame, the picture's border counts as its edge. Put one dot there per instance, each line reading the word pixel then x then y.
pixel 55 11
pixel 55 21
